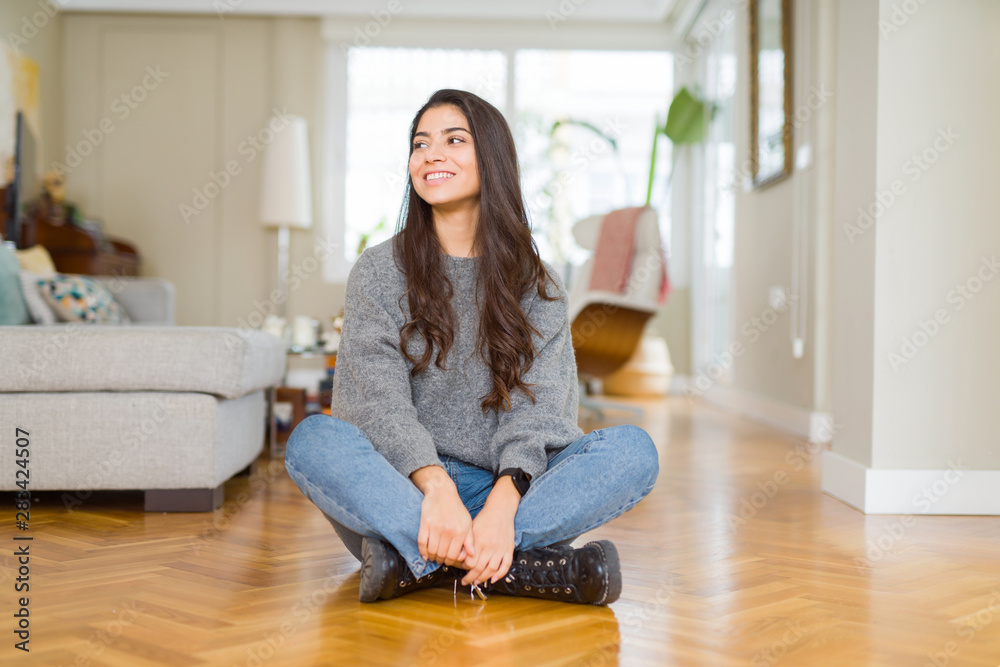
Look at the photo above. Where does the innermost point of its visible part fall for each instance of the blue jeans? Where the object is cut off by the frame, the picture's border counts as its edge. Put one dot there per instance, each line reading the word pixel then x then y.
pixel 593 480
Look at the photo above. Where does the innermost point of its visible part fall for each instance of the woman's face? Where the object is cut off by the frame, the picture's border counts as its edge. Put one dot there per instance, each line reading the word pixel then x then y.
pixel 443 159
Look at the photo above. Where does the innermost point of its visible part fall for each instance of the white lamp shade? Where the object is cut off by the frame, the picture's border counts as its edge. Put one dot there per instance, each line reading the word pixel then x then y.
pixel 286 191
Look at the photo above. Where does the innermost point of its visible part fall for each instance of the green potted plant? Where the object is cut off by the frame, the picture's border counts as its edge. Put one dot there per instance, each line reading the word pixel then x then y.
pixel 687 123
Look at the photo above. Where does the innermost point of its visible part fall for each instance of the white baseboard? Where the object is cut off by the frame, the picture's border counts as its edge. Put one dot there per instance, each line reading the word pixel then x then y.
pixel 816 426
pixel 821 427
pixel 844 479
pixel 953 490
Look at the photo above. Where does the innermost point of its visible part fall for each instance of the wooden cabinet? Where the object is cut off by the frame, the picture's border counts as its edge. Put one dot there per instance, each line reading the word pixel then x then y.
pixel 76 250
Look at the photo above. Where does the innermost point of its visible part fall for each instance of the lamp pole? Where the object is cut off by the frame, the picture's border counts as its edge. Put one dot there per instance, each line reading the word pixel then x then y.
pixel 284 235
pixel 286 193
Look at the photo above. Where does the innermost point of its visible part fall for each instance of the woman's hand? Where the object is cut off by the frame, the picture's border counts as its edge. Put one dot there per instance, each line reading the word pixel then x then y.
pixel 493 534
pixel 445 534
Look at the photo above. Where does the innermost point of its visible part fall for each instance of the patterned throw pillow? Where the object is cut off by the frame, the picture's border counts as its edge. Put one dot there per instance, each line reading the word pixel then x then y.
pixel 41 311
pixel 81 299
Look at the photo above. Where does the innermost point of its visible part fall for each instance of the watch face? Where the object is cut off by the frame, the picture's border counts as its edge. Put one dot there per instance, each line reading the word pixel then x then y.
pixel 521 481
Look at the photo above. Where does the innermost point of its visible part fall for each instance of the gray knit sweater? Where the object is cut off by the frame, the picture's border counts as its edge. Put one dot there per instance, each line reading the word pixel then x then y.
pixel 410 421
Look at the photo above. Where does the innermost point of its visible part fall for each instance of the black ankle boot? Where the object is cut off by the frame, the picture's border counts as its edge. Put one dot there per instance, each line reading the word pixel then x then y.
pixel 385 575
pixel 588 575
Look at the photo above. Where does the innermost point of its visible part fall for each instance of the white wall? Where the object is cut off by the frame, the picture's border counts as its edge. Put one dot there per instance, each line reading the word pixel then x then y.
pixel 854 263
pixel 937 78
pixel 917 371
pixel 901 89
pixel 224 78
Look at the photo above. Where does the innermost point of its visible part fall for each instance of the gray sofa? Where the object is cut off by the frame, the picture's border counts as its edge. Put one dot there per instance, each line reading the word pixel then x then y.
pixel 172 411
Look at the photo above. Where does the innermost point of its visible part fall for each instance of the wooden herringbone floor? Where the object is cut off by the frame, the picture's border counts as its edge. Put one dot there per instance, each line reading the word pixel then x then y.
pixel 736 558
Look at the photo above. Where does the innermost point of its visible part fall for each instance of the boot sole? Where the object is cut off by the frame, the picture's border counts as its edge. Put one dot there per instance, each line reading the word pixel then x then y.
pixel 373 582
pixel 613 571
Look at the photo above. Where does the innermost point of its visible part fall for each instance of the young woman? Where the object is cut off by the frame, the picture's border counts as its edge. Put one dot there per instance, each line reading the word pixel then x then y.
pixel 455 451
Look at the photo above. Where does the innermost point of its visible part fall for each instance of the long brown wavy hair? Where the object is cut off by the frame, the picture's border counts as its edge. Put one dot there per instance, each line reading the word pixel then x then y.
pixel 509 264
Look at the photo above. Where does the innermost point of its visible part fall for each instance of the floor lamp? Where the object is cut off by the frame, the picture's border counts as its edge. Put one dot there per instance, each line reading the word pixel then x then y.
pixel 286 192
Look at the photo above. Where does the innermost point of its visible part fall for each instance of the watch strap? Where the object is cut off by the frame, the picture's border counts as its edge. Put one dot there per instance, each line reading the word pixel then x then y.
pixel 520 479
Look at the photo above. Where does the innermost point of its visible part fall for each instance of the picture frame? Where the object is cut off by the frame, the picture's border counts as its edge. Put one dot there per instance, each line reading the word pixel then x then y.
pixel 770 90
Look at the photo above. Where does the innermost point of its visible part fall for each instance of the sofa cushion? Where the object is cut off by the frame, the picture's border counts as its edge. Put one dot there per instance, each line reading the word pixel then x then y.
pixel 142 440
pixel 41 311
pixel 146 300
pixel 36 259
pixel 13 309
pixel 81 299
pixel 214 360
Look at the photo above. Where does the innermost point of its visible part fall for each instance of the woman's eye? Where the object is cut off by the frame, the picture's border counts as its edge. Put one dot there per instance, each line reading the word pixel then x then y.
pixel 423 144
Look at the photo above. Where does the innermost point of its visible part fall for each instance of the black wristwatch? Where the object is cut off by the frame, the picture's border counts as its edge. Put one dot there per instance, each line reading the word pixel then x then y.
pixel 521 479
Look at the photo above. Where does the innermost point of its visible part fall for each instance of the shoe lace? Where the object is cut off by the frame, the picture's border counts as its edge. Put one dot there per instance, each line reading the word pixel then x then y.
pixel 545 569
pixel 472 588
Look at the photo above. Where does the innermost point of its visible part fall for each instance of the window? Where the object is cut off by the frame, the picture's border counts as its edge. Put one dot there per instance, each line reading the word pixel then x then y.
pixel 575 172
pixel 566 175
pixel 385 87
pixel 713 311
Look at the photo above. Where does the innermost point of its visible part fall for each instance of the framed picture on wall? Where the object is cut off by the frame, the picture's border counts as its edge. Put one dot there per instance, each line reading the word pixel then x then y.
pixel 770 90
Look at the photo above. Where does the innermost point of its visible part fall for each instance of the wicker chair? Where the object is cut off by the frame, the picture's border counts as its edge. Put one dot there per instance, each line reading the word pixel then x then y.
pixel 607 326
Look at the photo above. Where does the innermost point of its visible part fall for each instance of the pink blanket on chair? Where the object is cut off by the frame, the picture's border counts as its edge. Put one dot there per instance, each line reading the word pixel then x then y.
pixel 615 249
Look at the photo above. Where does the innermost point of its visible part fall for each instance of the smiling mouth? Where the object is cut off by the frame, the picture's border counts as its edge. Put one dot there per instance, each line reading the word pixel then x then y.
pixel 438 176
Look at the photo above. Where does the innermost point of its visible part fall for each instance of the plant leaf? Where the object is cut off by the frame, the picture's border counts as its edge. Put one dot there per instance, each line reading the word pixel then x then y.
pixel 687 119
pixel 584 124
